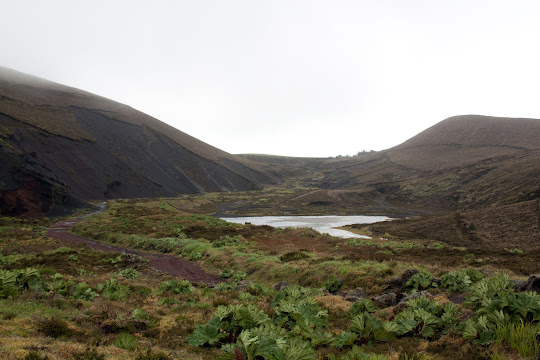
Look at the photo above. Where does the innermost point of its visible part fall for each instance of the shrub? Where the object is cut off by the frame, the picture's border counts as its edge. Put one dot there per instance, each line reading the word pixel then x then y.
pixel 235 275
pixel 332 284
pixel 53 327
pixel 227 241
pixel 129 273
pixel 32 355
pixel 149 355
pixel 88 354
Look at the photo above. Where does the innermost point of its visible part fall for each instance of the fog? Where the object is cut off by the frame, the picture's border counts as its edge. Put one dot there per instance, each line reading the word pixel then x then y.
pixel 302 78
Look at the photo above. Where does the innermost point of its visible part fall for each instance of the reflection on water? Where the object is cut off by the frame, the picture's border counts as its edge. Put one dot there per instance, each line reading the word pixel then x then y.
pixel 322 224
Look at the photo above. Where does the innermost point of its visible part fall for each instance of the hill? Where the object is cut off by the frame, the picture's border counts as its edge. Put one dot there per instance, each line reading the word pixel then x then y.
pixel 463 162
pixel 60 146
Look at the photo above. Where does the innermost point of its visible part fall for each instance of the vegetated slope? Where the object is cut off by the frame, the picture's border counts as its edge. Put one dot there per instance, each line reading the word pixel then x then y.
pixel 509 226
pixel 469 169
pixel 59 145
pixel 463 162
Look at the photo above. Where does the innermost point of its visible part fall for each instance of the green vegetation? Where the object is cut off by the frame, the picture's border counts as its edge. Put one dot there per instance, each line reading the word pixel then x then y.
pixel 66 301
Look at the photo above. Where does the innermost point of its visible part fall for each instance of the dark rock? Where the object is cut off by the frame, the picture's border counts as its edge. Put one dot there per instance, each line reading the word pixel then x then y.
pixel 397 282
pixel 487 271
pixel 385 300
pixel 532 284
pixel 324 291
pixel 355 295
pixel 394 282
pixel 242 285
pixel 280 285
pixel 436 281
pixel 519 284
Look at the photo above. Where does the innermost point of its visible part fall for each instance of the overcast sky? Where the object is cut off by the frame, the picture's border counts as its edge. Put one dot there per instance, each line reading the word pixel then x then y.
pixel 299 78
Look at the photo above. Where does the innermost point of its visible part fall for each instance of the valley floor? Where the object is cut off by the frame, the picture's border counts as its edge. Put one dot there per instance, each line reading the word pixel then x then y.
pixel 284 293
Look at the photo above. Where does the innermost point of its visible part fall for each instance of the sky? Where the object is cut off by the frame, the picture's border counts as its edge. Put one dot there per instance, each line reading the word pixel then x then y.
pixel 287 77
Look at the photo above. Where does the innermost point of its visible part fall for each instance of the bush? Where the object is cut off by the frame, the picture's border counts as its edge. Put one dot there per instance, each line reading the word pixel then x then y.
pixel 227 241
pixel 235 275
pixel 88 354
pixel 32 355
pixel 152 356
pixel 129 273
pixel 333 284
pixel 53 327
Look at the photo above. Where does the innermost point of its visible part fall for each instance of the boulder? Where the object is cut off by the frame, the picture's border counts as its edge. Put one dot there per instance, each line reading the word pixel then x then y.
pixel 397 282
pixel 385 300
pixel 355 295
pixel 519 284
pixel 280 285
pixel 242 285
pixel 531 284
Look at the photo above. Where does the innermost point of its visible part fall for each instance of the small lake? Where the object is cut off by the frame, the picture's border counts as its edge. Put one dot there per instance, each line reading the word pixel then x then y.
pixel 322 224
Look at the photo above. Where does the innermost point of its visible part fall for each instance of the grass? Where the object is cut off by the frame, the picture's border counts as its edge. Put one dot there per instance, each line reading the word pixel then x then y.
pixel 138 308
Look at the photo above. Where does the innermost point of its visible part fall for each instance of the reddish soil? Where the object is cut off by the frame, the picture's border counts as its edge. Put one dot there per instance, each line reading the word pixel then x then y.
pixel 165 263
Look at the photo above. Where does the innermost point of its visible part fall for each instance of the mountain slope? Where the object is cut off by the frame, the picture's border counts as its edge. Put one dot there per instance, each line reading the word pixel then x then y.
pixel 463 162
pixel 60 145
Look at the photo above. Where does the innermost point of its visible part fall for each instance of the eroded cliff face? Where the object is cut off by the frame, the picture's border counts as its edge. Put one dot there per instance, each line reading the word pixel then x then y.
pixel 43 173
pixel 30 189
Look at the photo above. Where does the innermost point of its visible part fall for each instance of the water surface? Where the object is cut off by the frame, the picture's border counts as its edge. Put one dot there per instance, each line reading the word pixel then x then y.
pixel 322 224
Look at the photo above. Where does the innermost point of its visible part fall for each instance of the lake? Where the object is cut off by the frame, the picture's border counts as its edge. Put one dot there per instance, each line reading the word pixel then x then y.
pixel 322 224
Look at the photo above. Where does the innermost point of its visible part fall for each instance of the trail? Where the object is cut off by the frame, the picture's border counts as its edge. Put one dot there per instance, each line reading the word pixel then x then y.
pixel 168 264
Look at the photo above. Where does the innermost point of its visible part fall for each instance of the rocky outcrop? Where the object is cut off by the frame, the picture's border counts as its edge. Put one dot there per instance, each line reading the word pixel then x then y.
pixel 28 188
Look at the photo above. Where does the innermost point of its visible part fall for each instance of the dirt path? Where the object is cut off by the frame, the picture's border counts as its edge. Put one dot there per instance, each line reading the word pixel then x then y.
pixel 168 264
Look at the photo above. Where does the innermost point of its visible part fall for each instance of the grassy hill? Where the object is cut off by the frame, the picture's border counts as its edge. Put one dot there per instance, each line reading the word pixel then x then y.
pixel 463 162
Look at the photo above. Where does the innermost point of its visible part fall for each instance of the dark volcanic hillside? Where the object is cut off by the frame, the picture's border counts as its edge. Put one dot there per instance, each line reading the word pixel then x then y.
pixel 60 145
